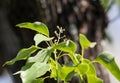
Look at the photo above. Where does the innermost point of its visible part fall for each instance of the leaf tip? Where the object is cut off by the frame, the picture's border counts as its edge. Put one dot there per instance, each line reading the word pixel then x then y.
pixel 93 44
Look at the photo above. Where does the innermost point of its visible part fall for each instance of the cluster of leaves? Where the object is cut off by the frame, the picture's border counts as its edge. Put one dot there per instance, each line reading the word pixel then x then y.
pixel 38 65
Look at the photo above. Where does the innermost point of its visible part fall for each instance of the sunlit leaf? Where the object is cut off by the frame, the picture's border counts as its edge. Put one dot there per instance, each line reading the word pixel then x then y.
pixel 82 68
pixel 93 79
pixel 55 70
pixel 84 42
pixel 88 69
pixel 40 38
pixel 91 73
pixel 79 57
pixel 74 58
pixel 22 55
pixel 67 73
pixel 36 26
pixel 69 76
pixel 27 66
pixel 30 73
pixel 41 56
pixel 107 60
pixel 91 67
pixel 67 46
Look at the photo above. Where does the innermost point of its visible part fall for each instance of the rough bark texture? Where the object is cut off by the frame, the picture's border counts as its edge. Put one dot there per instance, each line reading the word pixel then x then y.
pixel 76 16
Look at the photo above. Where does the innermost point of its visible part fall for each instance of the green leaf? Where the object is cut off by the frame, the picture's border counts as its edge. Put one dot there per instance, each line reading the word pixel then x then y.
pixel 82 68
pixel 67 73
pixel 36 26
pixel 105 57
pixel 22 55
pixel 91 73
pixel 84 42
pixel 69 76
pixel 39 80
pixel 54 71
pixel 91 70
pixel 40 38
pixel 107 60
pixel 74 58
pixel 30 73
pixel 79 57
pixel 41 56
pixel 67 46
pixel 93 79
pixel 27 66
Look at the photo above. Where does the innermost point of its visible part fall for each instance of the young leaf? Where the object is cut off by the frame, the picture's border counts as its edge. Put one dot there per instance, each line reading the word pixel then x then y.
pixel 67 46
pixel 91 73
pixel 82 68
pixel 40 38
pixel 107 60
pixel 91 70
pixel 84 42
pixel 93 79
pixel 22 55
pixel 29 74
pixel 53 69
pixel 36 26
pixel 54 72
pixel 69 76
pixel 66 73
pixel 41 56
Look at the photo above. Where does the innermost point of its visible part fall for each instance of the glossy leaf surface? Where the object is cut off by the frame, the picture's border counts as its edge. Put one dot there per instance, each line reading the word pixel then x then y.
pixel 22 55
pixel 40 38
pixel 93 79
pixel 30 72
pixel 41 56
pixel 36 26
pixel 67 73
pixel 67 46
pixel 107 60
pixel 91 70
pixel 82 68
pixel 84 42
pixel 55 69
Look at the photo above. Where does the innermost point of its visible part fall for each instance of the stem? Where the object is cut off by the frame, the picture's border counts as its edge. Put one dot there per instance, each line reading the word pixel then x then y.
pixel 47 43
pixel 56 61
pixel 51 42
pixel 59 34
pixel 93 62
pixel 81 80
pixel 61 55
pixel 82 55
pixel 72 56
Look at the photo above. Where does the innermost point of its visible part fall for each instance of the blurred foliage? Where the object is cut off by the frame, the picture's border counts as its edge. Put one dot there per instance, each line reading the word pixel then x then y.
pixel 107 4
